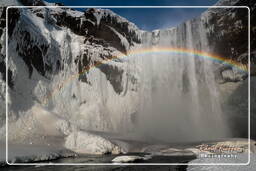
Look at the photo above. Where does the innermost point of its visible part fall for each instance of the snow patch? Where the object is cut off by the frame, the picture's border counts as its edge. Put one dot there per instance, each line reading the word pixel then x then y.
pixel 129 159
pixel 87 143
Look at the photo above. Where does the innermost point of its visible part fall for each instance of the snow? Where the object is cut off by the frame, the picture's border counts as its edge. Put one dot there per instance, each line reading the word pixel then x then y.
pixel 20 153
pixel 49 4
pixel 75 13
pixel 98 16
pixel 129 159
pixel 65 46
pixel 87 143
pixel 104 13
pixel 35 25
pixel 71 12
pixel 36 126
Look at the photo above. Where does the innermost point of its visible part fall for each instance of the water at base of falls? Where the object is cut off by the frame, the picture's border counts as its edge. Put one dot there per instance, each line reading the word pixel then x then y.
pixel 178 95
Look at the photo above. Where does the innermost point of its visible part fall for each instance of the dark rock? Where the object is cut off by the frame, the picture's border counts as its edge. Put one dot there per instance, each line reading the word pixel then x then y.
pixel 32 55
pixel 59 4
pixel 230 32
pixel 121 27
pixel 107 30
pixel 83 66
pixel 32 2
pixel 3 73
pixel 13 17
pixel 3 12
pixel 106 33
pixel 232 43
pixel 40 15
pixel 114 76
pixel 65 19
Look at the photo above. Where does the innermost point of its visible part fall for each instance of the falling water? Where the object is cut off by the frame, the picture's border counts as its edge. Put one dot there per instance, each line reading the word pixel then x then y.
pixel 179 98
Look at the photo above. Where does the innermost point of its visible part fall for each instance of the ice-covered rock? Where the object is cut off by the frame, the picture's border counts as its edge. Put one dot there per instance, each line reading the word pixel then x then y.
pixel 45 52
pixel 230 74
pixel 36 126
pixel 87 143
pixel 130 159
pixel 20 153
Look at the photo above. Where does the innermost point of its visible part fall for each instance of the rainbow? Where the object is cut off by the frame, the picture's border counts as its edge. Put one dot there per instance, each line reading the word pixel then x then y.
pixel 196 53
pixel 136 52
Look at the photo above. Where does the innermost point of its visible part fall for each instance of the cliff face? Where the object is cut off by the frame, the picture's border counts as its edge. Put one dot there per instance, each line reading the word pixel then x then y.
pixel 68 63
pixel 3 66
pixel 55 61
pixel 228 35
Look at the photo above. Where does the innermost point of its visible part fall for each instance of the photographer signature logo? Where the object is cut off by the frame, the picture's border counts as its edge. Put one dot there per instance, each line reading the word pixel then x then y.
pixel 220 148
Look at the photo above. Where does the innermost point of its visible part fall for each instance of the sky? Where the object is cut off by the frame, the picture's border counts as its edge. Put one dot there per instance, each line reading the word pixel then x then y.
pixel 149 18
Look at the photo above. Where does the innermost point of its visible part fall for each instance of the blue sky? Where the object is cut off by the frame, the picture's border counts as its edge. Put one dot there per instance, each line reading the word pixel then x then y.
pixel 150 18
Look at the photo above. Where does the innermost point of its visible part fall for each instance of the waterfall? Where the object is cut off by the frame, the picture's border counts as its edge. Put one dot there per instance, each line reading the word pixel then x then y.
pixel 178 95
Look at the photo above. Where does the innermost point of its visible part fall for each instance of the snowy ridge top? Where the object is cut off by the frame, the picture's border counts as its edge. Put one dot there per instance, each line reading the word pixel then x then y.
pixel 101 13
pixel 107 12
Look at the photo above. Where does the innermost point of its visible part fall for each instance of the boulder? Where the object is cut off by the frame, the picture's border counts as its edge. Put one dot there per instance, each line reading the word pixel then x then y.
pixel 87 143
pixel 129 159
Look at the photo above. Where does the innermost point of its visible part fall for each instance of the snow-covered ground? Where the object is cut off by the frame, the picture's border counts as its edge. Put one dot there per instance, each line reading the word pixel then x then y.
pixel 19 153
